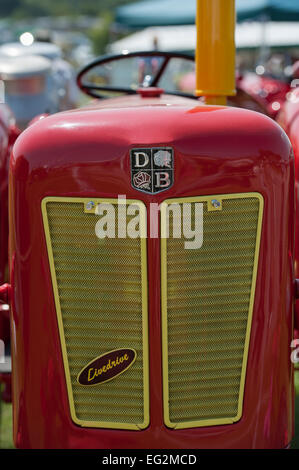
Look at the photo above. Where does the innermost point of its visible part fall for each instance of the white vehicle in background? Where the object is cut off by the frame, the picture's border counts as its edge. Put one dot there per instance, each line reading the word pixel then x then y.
pixel 45 49
pixel 28 87
pixel 37 80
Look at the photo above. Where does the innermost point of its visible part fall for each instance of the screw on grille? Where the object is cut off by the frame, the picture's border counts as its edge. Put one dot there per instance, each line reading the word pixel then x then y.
pixel 89 205
pixel 216 204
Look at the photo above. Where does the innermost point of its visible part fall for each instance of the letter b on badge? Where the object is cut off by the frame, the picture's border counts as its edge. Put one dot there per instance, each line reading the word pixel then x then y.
pixel 162 179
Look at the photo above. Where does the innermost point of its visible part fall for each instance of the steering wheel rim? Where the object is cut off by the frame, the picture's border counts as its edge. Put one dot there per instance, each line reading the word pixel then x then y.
pixel 92 90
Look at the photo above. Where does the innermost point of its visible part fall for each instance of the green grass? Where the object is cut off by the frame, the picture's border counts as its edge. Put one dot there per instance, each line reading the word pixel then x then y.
pixel 6 441
pixel 295 442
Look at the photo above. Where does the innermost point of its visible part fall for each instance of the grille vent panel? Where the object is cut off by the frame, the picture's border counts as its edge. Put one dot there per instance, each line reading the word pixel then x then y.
pixel 101 301
pixel 207 303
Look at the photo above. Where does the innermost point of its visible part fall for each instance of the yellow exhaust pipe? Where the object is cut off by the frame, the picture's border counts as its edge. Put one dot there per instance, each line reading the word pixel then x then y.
pixel 215 51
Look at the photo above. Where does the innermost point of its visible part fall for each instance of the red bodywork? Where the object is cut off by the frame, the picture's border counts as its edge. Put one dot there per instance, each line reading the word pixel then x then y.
pixel 8 134
pixel 268 92
pixel 85 153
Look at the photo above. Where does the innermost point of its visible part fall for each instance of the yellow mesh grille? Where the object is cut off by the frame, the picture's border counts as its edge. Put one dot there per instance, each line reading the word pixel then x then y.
pixel 99 288
pixel 207 298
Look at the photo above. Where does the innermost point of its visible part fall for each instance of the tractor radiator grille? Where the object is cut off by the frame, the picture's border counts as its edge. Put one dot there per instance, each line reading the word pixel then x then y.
pixel 207 303
pixel 100 291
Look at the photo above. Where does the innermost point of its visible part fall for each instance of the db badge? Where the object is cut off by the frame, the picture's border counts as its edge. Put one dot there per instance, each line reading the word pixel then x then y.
pixel 152 169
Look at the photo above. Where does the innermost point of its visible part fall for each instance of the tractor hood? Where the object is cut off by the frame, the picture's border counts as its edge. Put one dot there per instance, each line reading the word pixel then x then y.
pixel 104 131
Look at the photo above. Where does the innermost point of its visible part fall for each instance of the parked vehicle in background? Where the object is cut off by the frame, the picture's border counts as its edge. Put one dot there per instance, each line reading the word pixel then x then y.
pixel 29 87
pixel 60 92
pixel 259 91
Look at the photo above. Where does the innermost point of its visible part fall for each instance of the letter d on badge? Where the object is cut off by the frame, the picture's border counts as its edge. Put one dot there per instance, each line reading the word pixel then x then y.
pixel 141 159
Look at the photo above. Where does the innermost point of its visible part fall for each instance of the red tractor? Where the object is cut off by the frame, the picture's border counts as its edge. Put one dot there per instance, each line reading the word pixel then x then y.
pixel 151 254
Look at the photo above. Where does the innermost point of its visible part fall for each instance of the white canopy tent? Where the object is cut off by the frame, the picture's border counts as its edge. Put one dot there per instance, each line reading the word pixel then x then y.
pixel 183 38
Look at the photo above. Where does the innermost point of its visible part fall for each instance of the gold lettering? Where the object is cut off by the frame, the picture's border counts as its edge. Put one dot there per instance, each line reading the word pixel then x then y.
pixel 92 373
pixel 89 372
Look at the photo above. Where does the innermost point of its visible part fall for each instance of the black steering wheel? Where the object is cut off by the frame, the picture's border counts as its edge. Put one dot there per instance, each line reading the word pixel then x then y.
pixel 158 72
pixel 94 89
